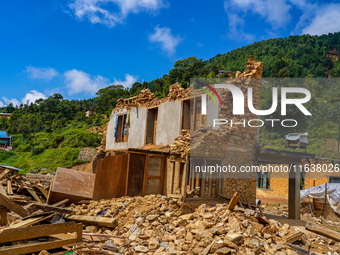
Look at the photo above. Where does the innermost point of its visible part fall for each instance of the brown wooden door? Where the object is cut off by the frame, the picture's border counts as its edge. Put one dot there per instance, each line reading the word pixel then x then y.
pixel 154 174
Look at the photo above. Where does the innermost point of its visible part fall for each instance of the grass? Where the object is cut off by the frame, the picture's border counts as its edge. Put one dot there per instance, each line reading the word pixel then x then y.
pixel 50 159
pixel 315 146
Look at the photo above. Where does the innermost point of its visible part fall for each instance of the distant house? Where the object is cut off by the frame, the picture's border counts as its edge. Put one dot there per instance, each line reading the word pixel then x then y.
pixel 5 115
pixel 222 72
pixel 5 141
pixel 90 112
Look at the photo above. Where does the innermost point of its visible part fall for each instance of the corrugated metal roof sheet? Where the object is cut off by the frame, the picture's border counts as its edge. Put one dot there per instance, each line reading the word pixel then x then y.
pixel 3 134
pixel 11 168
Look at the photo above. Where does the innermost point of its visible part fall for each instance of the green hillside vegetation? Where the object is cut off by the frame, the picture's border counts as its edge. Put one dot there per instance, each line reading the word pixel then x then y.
pixel 44 132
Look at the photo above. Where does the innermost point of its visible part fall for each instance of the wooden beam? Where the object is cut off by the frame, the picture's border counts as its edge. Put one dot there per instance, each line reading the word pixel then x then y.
pixel 16 234
pixel 293 237
pixel 42 190
pixel 61 203
pixel 34 195
pixel 9 187
pixel 3 216
pixel 47 207
pixel 31 221
pixel 233 202
pixel 35 247
pixel 323 231
pixel 5 201
pixel 92 220
pixel 2 191
pixel 3 173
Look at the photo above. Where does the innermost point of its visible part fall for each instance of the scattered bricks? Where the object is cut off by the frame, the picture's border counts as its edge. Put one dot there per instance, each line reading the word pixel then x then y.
pixel 207 230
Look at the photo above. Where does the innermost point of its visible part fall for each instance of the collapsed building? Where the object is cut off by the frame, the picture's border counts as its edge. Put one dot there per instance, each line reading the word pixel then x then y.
pixel 151 145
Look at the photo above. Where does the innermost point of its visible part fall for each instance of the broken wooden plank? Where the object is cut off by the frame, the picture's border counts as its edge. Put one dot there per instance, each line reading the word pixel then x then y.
pixel 15 234
pixel 301 250
pixel 34 195
pixel 233 202
pixel 35 247
pixel 323 231
pixel 9 187
pixel 47 207
pixel 60 203
pixel 31 221
pixel 3 216
pixel 93 220
pixel 6 171
pixel 207 249
pixel 293 237
pixel 42 190
pixel 5 201
pixel 2 190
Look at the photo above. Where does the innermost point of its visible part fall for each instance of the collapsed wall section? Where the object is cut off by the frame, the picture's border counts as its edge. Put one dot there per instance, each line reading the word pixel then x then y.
pixel 234 145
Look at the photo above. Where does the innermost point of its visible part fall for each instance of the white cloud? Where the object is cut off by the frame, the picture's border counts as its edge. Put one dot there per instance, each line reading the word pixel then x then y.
pixel 32 96
pixel 275 12
pixel 129 80
pixel 315 18
pixel 326 20
pixel 2 104
pixel 41 73
pixel 80 82
pixel 14 101
pixel 167 41
pixel 98 11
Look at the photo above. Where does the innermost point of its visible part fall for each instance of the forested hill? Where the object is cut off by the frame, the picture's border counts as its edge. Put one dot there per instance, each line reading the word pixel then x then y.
pixel 294 56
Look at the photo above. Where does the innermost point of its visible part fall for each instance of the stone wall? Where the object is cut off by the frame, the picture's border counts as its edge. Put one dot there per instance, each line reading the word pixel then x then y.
pixel 235 145
pixel 87 154
pixel 33 178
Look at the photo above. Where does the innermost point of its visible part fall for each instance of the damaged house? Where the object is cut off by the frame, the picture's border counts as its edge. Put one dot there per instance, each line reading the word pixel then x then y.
pixel 147 147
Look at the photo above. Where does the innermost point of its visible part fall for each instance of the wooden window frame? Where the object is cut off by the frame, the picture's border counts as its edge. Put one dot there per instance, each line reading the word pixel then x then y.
pixel 123 138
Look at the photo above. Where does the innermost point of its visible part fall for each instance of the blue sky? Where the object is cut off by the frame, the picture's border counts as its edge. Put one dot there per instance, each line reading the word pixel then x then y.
pixel 76 47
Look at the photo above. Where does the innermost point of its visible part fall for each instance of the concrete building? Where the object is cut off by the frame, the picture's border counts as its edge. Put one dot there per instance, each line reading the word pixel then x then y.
pixel 5 141
pixel 5 115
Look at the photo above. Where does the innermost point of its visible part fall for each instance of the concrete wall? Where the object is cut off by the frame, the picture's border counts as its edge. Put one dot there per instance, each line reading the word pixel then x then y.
pixel 212 113
pixel 137 129
pixel 168 122
pixel 168 126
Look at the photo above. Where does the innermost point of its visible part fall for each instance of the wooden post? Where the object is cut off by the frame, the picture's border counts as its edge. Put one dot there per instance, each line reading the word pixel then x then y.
pixel 325 198
pixel 294 193
pixel 3 216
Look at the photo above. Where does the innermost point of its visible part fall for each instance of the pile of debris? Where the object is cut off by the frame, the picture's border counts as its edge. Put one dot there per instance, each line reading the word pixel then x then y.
pixel 182 144
pixel 253 69
pixel 177 92
pixel 155 224
pixel 145 99
pixel 22 205
pixel 99 129
pixel 20 188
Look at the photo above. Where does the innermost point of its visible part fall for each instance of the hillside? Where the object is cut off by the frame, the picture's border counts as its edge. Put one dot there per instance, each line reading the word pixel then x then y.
pixel 55 125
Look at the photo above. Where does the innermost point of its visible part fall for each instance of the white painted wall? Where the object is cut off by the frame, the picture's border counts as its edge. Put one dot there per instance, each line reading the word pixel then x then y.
pixel 212 112
pixel 137 129
pixel 168 122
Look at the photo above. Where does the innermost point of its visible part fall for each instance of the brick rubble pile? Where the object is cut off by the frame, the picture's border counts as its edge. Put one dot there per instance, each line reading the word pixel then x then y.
pixel 176 92
pixel 157 225
pixel 182 144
